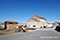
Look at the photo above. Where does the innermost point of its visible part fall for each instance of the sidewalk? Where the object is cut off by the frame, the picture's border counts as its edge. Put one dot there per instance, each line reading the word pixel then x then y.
pixel 52 29
pixel 31 30
pixel 46 29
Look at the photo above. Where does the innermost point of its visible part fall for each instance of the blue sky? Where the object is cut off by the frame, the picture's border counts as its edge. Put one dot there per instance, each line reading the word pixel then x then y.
pixel 22 10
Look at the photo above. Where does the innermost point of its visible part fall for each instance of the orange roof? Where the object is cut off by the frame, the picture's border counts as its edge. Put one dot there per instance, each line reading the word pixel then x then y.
pixel 40 17
pixel 58 22
pixel 11 21
pixel 34 19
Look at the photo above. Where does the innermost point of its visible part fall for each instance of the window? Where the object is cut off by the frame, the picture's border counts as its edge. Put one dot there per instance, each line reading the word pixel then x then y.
pixel 33 25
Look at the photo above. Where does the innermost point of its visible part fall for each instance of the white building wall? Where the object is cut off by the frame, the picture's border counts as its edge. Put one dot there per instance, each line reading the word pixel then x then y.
pixel 38 24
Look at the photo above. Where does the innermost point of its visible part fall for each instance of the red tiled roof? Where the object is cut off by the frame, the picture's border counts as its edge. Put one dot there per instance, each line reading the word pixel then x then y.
pixel 11 21
pixel 40 17
pixel 34 19
pixel 57 22
pixel 37 19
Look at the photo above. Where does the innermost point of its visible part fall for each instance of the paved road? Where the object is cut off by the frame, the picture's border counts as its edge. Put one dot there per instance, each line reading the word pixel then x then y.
pixel 36 35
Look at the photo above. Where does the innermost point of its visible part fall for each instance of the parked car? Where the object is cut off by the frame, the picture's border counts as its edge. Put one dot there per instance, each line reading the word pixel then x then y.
pixel 33 27
pixel 49 26
pixel 57 28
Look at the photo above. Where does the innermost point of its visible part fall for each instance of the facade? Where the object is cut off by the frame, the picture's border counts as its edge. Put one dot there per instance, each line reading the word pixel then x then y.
pixel 56 23
pixel 10 25
pixel 37 21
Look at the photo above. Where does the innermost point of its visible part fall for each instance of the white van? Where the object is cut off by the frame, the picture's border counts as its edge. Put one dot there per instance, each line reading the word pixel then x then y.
pixel 49 26
pixel 32 27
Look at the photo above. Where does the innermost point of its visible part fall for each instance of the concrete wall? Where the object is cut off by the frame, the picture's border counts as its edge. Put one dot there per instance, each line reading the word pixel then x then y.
pixel 11 26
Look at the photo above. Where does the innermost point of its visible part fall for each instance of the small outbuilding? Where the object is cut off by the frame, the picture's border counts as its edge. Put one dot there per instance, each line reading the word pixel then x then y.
pixel 10 25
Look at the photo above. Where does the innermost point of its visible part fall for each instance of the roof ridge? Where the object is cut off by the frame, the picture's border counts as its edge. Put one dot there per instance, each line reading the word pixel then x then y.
pixel 40 17
pixel 35 19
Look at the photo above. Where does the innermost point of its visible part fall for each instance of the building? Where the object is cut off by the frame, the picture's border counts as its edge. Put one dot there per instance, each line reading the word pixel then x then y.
pixel 56 23
pixel 49 25
pixel 10 25
pixel 1 25
pixel 37 21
